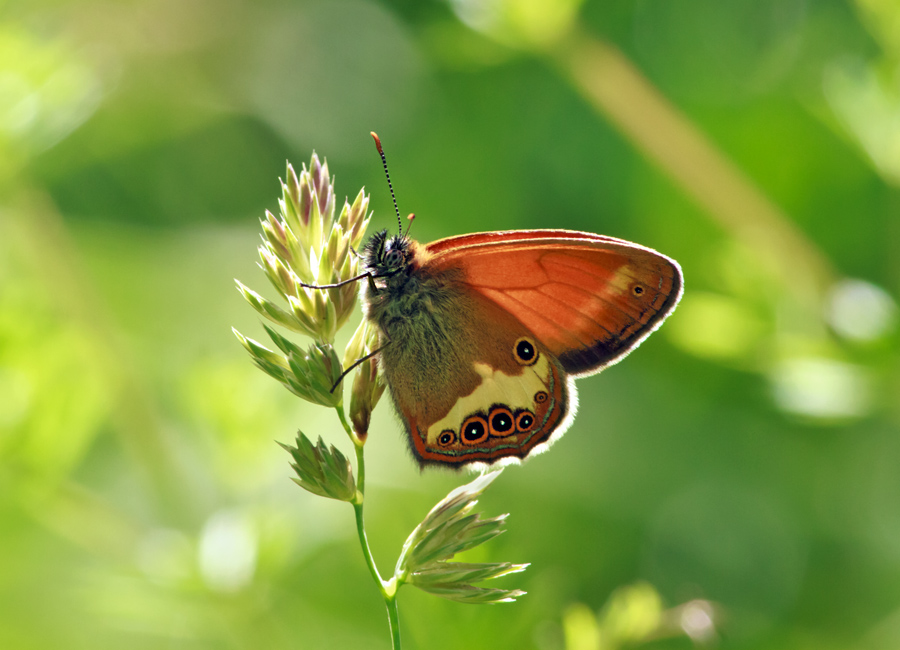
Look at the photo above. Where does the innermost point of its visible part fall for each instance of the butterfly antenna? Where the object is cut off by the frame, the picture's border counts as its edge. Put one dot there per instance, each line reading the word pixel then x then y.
pixel 390 187
pixel 409 225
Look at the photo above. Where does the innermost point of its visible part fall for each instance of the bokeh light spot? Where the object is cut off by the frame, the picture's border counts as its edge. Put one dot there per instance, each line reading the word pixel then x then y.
pixel 714 326
pixel 227 552
pixel 860 311
pixel 822 388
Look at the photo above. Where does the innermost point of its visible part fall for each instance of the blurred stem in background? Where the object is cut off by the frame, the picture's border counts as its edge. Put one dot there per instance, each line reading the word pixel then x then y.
pixel 618 91
pixel 805 301
pixel 35 226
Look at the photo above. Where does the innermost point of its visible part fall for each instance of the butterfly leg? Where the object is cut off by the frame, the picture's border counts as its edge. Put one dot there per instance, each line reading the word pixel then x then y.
pixel 337 284
pixel 357 363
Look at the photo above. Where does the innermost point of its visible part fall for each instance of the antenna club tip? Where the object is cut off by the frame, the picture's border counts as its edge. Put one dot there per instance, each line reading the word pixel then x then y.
pixel 377 141
pixel 411 216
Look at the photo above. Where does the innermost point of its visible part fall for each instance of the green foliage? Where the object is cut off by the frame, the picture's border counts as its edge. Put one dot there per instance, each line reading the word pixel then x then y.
pixel 744 457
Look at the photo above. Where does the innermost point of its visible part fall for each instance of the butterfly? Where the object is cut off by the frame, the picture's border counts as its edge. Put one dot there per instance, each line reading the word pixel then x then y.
pixel 483 334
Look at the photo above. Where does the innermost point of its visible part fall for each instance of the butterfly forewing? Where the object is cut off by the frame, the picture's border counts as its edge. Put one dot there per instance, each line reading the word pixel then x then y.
pixel 589 299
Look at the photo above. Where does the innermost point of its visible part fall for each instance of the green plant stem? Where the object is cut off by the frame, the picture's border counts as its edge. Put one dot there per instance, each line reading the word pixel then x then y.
pixel 361 525
pixel 388 589
pixel 393 619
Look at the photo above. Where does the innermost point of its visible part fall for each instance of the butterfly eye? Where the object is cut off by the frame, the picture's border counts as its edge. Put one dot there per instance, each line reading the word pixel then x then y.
pixel 393 258
pixel 524 420
pixel 474 430
pixel 446 438
pixel 525 351
pixel 502 423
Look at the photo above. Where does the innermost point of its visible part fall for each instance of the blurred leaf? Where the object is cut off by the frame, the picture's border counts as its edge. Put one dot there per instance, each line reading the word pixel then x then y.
pixel 46 89
pixel 632 614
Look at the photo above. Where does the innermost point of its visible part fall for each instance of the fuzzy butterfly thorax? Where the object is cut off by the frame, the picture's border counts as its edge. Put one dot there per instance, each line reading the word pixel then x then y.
pixel 482 334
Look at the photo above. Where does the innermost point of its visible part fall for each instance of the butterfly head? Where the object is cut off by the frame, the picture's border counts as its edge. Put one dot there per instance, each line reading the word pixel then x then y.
pixel 385 255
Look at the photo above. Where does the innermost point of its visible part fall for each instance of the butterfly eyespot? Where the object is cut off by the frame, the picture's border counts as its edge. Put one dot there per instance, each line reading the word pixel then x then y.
pixel 525 351
pixel 502 422
pixel 540 397
pixel 524 420
pixel 447 438
pixel 637 290
pixel 474 430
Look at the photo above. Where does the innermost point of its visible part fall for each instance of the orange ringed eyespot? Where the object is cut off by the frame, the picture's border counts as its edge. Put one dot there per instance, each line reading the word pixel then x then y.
pixel 502 422
pixel 474 430
pixel 525 351
pixel 524 420
pixel 446 438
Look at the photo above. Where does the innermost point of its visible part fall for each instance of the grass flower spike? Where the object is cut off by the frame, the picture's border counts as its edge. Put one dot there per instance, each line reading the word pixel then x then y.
pixel 450 528
pixel 322 470
pixel 306 245
pixel 368 385
pixel 311 374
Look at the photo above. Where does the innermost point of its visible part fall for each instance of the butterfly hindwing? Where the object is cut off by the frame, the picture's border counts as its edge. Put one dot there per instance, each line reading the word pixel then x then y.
pixel 522 398
pixel 488 390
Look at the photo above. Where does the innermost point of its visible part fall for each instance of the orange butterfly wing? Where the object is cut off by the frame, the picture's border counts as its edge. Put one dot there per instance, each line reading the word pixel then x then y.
pixel 589 299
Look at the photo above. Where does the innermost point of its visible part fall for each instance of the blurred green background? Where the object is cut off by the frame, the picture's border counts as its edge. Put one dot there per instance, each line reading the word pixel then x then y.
pixel 747 455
